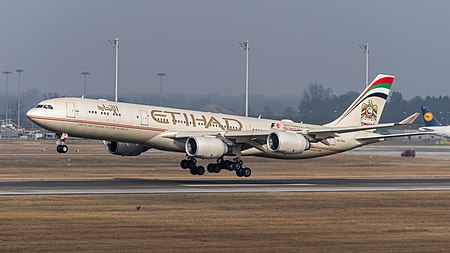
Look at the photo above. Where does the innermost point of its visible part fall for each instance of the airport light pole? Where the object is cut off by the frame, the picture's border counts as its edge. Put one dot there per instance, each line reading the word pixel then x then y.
pixel 161 75
pixel 245 46
pixel 85 74
pixel 6 73
pixel 19 71
pixel 365 49
pixel 115 45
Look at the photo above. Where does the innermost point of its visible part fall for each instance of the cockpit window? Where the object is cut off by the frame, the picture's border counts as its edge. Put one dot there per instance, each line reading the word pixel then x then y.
pixel 45 106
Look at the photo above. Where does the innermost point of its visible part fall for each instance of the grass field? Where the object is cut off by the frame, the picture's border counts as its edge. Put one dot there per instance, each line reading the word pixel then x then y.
pixel 226 222
pixel 90 160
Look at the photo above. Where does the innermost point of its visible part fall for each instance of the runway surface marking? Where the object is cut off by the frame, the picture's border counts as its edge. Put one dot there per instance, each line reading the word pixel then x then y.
pixel 153 186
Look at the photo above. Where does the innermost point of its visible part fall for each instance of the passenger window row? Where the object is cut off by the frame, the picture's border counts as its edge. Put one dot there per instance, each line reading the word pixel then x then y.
pixel 106 113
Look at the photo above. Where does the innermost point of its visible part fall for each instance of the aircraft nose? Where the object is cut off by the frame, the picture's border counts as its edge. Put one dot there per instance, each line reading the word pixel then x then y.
pixel 31 113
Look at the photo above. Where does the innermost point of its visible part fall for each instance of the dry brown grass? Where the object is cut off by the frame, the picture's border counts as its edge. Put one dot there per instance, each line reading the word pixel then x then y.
pixel 266 222
pixel 92 162
pixel 226 222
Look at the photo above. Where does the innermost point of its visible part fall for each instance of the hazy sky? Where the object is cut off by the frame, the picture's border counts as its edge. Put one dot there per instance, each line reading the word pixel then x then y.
pixel 293 43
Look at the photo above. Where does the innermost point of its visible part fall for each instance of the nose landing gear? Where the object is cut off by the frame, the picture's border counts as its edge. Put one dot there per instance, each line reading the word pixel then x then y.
pixel 61 146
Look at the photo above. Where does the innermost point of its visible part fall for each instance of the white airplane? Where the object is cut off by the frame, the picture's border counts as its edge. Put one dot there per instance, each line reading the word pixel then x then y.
pixel 130 129
pixel 432 123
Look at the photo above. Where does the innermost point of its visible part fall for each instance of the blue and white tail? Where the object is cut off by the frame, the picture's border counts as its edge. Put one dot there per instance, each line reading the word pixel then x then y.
pixel 368 107
pixel 428 117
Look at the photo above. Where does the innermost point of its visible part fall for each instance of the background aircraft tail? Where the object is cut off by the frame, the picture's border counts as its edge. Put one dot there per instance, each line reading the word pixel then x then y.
pixel 428 117
pixel 368 107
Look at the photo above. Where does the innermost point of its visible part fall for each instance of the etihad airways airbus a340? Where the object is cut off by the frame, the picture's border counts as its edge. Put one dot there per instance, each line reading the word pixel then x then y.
pixel 130 129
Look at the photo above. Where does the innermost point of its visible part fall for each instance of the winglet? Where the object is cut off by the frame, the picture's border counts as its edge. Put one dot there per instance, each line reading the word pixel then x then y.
pixel 409 120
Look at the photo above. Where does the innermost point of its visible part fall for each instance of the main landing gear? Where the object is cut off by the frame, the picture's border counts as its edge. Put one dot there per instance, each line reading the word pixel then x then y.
pixel 61 146
pixel 221 164
pixel 191 164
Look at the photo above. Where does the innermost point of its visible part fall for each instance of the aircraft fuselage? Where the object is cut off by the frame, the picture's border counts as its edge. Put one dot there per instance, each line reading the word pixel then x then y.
pixel 146 125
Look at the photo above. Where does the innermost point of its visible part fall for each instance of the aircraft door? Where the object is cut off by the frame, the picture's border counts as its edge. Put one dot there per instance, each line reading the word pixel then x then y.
pixel 144 118
pixel 70 110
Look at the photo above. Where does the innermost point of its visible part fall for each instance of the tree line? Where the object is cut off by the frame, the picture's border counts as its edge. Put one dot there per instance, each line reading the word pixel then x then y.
pixel 319 105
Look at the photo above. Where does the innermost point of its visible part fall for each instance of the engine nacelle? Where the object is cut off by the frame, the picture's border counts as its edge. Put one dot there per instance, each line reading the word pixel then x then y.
pixel 125 148
pixel 205 147
pixel 288 143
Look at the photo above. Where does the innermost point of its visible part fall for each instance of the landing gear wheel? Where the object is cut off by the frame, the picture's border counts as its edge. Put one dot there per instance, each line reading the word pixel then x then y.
pixel 240 172
pixel 247 172
pixel 217 168
pixel 184 164
pixel 200 170
pixel 228 165
pixel 213 168
pixel 191 164
pixel 210 168
pixel 62 148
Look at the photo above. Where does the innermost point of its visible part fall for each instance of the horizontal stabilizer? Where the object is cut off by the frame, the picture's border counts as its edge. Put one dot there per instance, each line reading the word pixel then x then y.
pixel 387 136
pixel 332 131
pixel 409 120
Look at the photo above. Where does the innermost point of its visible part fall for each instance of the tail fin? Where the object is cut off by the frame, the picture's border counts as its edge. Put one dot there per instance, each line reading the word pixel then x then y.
pixel 368 107
pixel 428 117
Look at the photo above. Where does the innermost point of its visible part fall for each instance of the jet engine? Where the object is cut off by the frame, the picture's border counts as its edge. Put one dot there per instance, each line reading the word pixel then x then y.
pixel 205 147
pixel 288 143
pixel 125 148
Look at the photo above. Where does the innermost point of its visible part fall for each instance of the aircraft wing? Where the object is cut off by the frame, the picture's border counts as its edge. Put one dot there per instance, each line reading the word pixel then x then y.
pixel 234 137
pixel 229 134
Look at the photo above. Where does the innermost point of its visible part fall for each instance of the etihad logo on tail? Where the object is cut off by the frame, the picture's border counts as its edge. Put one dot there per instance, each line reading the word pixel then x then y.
pixel 369 113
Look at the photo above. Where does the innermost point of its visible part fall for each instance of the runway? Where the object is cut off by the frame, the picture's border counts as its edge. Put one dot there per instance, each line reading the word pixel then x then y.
pixel 147 186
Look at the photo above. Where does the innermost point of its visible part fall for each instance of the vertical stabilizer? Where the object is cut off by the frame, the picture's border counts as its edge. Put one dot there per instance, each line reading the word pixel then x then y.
pixel 368 107
pixel 428 117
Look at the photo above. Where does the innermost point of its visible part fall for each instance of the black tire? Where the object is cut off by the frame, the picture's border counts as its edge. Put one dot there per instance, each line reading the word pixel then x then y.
pixel 200 170
pixel 193 170
pixel 247 172
pixel 237 166
pixel 228 165
pixel 184 164
pixel 239 173
pixel 62 148
pixel 217 168
pixel 190 164
pixel 211 168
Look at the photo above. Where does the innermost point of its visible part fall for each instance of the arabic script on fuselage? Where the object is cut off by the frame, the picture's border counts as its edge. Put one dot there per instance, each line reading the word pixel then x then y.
pixel 110 108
